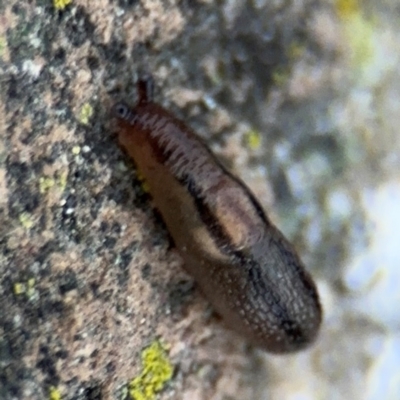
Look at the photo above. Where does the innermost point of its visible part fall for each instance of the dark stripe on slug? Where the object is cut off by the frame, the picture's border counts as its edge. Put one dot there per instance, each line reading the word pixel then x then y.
pixel 214 228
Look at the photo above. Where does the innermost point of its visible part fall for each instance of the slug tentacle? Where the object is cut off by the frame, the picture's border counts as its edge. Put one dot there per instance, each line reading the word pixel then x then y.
pixel 145 87
pixel 248 270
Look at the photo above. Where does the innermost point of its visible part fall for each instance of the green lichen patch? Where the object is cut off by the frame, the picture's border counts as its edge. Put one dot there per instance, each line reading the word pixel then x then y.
pixel 85 114
pixel 3 45
pixel 253 139
pixel 359 31
pixel 347 8
pixel 26 220
pixel 156 372
pixel 25 288
pixel 61 4
pixel 45 183
pixel 54 393
pixel 76 150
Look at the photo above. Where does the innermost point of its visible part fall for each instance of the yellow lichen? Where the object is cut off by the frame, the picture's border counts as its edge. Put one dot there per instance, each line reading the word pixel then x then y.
pixel 253 139
pixel 54 393
pixel 26 220
pixel 19 288
pixel 280 76
pixel 360 34
pixel 156 372
pixel 27 288
pixel 85 114
pixel 62 180
pixel 30 287
pixel 3 45
pixel 45 183
pixel 347 8
pixel 358 30
pixel 76 150
pixel 61 4
pixel 59 180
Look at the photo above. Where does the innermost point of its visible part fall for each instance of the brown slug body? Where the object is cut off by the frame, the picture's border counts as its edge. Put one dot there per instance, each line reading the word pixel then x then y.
pixel 244 265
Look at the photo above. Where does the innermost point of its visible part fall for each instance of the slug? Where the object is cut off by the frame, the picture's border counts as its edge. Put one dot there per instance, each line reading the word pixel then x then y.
pixel 244 265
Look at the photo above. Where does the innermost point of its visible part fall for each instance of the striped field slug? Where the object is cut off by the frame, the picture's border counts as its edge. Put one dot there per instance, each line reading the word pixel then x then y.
pixel 244 265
